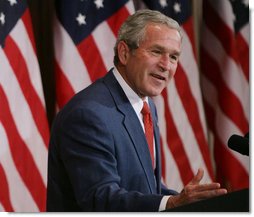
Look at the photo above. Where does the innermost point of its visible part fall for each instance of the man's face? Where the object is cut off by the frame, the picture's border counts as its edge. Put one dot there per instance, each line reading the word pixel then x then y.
pixel 149 68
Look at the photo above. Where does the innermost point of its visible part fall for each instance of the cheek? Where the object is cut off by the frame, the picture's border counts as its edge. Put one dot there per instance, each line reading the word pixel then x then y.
pixel 173 71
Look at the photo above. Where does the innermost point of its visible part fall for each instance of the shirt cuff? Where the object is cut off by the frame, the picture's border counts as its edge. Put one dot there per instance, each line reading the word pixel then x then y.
pixel 163 203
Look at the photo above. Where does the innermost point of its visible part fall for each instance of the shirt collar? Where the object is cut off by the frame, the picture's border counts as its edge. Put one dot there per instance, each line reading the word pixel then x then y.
pixel 135 100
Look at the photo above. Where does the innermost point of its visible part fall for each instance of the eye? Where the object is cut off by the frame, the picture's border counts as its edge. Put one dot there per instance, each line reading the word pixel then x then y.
pixel 156 52
pixel 174 57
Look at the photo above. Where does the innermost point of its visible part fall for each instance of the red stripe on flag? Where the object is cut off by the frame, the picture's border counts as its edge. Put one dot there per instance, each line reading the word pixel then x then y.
pixel 28 24
pixel 63 84
pixel 232 180
pixel 20 69
pixel 116 20
pixel 91 57
pixel 188 28
pixel 21 155
pixel 175 144
pixel 5 193
pixel 225 96
pixel 192 112
pixel 222 32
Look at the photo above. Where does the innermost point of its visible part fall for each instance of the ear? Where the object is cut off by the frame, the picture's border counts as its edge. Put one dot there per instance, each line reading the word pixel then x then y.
pixel 123 52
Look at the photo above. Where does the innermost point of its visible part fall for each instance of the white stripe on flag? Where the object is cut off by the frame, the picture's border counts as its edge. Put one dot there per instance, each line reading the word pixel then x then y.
pixel 172 178
pixel 22 116
pixel 68 56
pixel 225 12
pixel 130 7
pixel 226 129
pixel 231 75
pixel 185 132
pixel 20 196
pixel 105 42
pixel 189 65
pixel 21 38
pixel 245 32
pixel 2 208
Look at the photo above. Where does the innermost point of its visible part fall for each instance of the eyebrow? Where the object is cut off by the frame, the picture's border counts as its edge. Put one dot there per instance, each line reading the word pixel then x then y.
pixel 175 52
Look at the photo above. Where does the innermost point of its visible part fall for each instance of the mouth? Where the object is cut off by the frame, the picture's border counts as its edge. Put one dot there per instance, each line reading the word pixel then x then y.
pixel 158 77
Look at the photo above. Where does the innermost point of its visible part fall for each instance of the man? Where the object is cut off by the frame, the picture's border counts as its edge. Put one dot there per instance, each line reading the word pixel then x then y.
pixel 99 159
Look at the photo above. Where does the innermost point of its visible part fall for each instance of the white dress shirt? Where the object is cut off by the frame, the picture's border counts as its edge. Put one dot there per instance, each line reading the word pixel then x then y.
pixel 137 104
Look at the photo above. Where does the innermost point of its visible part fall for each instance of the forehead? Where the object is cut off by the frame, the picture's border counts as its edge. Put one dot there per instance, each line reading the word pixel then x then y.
pixel 161 32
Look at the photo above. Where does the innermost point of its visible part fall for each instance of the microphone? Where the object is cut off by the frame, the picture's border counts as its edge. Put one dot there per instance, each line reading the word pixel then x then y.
pixel 239 144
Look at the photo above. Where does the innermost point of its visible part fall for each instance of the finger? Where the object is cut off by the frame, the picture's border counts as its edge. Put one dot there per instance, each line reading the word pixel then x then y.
pixel 197 178
pixel 207 187
pixel 208 193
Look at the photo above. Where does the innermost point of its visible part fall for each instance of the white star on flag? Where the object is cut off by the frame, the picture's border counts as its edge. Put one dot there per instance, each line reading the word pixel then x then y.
pixel 12 2
pixel 2 18
pixel 99 4
pixel 81 19
pixel 163 3
pixel 177 7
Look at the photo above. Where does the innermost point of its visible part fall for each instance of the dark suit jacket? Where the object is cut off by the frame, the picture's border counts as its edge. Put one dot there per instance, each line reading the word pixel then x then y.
pixel 98 155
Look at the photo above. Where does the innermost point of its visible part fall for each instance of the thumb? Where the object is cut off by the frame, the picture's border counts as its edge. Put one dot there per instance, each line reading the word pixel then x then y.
pixel 197 178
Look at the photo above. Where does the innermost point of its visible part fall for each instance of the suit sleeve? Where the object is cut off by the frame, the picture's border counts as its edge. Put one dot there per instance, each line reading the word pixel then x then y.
pixel 87 150
pixel 166 191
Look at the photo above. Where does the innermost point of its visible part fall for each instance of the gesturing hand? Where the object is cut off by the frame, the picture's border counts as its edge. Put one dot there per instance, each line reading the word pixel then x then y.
pixel 194 191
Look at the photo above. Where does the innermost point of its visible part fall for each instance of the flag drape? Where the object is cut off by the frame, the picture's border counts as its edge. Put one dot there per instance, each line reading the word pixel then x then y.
pixel 85 34
pixel 24 129
pixel 225 84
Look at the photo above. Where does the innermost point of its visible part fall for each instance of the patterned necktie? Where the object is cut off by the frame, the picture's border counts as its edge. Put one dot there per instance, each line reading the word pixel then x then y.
pixel 148 124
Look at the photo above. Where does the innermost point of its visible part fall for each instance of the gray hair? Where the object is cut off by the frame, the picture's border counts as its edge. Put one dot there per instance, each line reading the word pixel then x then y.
pixel 132 30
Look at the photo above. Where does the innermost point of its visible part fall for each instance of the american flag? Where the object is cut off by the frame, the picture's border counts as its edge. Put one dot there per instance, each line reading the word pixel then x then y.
pixel 225 82
pixel 84 37
pixel 24 129
pixel 181 113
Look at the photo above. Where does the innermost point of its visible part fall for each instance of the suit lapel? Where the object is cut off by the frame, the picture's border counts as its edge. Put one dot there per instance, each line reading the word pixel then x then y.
pixel 157 146
pixel 133 127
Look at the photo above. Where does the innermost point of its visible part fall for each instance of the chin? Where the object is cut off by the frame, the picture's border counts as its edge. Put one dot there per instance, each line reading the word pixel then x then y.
pixel 157 93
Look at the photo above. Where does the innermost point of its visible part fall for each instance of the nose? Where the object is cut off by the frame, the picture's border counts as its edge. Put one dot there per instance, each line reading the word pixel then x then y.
pixel 164 63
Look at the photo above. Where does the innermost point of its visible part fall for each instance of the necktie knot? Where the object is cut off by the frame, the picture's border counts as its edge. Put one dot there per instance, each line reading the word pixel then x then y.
pixel 145 110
